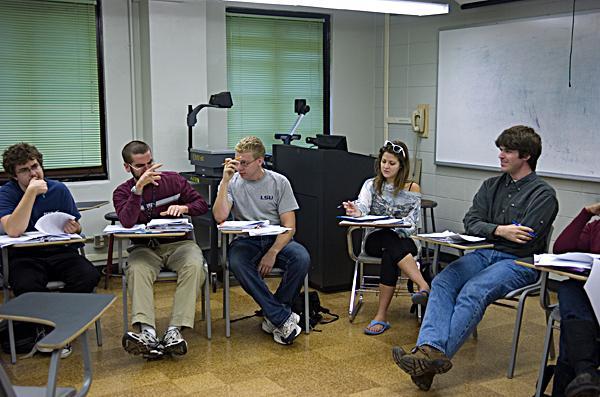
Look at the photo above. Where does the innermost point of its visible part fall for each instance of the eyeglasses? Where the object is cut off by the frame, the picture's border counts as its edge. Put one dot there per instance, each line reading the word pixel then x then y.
pixel 141 167
pixel 395 148
pixel 27 170
pixel 244 163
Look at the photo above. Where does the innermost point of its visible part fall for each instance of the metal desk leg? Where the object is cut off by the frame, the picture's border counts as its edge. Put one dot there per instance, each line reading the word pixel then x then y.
pixel 226 307
pixel 53 373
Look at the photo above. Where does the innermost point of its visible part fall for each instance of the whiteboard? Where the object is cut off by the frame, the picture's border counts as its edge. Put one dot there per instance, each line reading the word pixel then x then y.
pixel 493 77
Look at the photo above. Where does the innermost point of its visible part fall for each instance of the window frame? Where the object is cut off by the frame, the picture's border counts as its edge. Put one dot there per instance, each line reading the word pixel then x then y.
pixel 326 50
pixel 78 174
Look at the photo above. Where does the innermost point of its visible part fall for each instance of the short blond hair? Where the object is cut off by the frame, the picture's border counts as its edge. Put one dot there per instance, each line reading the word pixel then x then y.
pixel 251 144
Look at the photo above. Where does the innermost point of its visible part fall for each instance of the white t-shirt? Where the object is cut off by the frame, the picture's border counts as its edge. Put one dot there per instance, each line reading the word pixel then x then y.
pixel 266 198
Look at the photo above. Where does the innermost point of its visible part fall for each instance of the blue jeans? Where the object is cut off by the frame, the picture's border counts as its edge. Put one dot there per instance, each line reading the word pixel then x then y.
pixel 461 293
pixel 244 256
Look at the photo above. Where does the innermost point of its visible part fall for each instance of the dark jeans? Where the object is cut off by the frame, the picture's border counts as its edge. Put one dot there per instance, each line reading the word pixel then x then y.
pixel 31 269
pixel 244 256
pixel 391 248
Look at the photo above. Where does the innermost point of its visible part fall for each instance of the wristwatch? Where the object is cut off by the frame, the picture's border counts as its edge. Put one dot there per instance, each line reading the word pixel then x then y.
pixel 134 190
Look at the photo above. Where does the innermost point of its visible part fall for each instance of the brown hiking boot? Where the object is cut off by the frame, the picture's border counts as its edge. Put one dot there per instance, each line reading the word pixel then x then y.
pixel 424 381
pixel 422 360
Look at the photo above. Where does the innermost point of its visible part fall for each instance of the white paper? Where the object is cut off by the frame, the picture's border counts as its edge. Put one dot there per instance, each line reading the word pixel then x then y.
pixel 578 260
pixel 390 221
pixel 53 223
pixel 456 237
pixel 365 218
pixel 35 237
pixel 166 221
pixel 266 230
pixel 592 288
pixel 111 229
pixel 241 225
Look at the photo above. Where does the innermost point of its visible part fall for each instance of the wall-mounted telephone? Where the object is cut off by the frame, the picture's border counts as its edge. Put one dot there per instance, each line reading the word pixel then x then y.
pixel 420 120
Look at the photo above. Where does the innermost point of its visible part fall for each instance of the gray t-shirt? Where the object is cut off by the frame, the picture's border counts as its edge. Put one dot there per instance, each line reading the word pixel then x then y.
pixel 266 198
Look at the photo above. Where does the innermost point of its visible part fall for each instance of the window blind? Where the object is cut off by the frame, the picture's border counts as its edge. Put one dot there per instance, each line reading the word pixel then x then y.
pixel 49 91
pixel 270 62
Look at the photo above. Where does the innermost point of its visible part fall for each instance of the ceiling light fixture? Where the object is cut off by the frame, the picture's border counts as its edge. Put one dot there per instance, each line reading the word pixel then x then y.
pixel 401 7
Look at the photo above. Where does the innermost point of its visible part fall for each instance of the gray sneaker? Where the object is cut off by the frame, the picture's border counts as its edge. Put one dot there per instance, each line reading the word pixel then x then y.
pixel 174 343
pixel 286 334
pixel 143 343
pixel 268 326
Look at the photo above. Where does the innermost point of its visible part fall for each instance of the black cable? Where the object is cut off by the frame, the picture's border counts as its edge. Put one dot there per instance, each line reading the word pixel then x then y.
pixel 571 50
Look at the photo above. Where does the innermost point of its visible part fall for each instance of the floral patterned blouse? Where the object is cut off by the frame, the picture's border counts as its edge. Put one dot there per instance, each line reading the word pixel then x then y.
pixel 404 204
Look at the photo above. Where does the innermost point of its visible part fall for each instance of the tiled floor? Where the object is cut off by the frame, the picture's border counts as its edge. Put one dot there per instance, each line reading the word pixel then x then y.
pixel 337 360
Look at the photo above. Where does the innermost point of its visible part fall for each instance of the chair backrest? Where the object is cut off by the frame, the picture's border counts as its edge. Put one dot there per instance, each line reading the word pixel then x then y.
pixel 416 165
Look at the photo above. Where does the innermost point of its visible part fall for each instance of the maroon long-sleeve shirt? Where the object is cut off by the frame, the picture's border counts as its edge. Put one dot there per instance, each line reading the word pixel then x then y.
pixel 172 189
pixel 579 235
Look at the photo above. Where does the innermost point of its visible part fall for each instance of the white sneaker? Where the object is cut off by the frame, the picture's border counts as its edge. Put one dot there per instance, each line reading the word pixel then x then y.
pixel 268 326
pixel 286 334
pixel 143 343
pixel 64 353
pixel 174 343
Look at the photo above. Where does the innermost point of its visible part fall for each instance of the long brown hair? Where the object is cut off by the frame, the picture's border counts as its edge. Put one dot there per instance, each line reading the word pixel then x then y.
pixel 402 176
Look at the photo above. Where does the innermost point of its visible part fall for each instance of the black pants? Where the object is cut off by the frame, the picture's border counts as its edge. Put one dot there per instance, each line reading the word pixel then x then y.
pixel 391 248
pixel 31 269
pixel 579 332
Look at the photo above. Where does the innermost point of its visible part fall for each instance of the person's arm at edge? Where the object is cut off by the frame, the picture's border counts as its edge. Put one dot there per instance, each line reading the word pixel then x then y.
pixel 535 223
pixel 16 223
pixel 575 237
pixel 221 207
pixel 127 205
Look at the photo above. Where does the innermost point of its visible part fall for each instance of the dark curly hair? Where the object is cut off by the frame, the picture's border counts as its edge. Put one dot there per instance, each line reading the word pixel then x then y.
pixel 523 139
pixel 19 153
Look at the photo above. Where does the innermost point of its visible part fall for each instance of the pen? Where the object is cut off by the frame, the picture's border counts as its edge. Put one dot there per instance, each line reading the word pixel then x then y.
pixel 532 234
pixel 350 201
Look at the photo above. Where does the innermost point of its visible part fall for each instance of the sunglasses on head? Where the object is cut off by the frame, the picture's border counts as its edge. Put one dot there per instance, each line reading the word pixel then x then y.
pixel 395 148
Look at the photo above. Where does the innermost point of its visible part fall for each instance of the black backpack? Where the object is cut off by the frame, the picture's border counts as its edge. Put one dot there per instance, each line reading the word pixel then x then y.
pixel 314 310
pixel 26 336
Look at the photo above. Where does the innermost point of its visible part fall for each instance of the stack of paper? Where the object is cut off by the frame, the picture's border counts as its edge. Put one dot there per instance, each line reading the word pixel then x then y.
pixel 169 225
pixel 34 238
pixel 238 226
pixel 452 237
pixel 366 218
pixel 571 261
pixel 53 223
pixel 50 228
pixel 118 229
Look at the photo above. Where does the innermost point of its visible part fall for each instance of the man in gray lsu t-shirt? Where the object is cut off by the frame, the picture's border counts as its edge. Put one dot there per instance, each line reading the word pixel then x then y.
pixel 252 193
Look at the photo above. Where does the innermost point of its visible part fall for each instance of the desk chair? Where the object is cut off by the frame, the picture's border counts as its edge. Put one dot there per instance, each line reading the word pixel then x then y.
pixel 71 315
pixel 519 296
pixel 168 275
pixel 52 286
pixel 274 273
pixel 362 283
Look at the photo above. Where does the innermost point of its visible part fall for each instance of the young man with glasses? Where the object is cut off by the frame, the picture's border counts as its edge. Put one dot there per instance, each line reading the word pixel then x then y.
pixel 252 193
pixel 147 195
pixel 515 212
pixel 25 198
